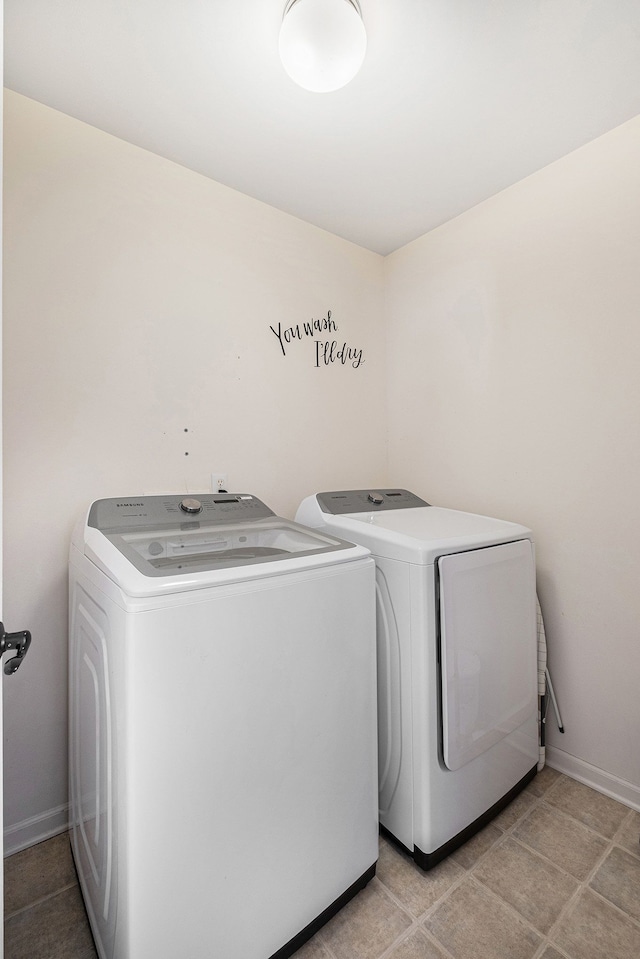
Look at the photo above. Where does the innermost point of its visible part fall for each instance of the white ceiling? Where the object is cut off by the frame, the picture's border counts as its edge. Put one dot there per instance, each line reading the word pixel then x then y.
pixel 457 99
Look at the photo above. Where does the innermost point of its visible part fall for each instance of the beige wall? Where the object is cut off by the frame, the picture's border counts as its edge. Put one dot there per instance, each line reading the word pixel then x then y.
pixel 138 303
pixel 514 379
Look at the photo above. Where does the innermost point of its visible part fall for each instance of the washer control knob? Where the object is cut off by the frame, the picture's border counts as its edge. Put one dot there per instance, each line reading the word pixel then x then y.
pixel 189 505
pixel 375 498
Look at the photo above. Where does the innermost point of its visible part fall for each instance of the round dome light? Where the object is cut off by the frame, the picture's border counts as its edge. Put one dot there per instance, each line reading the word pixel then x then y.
pixel 322 43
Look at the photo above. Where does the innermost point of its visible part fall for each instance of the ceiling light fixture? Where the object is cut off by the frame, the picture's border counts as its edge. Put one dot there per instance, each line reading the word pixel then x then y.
pixel 322 43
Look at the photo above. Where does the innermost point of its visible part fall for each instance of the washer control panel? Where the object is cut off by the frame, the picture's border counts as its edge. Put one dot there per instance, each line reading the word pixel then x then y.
pixel 368 500
pixel 177 511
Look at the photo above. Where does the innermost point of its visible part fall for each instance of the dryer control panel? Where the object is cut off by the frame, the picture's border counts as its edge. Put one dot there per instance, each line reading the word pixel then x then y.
pixel 368 500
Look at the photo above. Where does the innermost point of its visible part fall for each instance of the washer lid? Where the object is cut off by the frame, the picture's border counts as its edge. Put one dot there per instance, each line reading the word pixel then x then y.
pixel 180 541
pixel 161 552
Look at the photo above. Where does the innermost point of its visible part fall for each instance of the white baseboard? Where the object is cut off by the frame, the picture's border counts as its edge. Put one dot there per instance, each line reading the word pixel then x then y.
pixel 36 829
pixel 598 779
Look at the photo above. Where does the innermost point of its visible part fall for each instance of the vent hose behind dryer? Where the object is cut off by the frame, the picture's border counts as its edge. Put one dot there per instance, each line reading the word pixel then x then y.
pixel 544 683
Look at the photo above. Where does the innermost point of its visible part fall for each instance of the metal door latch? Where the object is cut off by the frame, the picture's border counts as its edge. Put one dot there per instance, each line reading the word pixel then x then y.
pixel 18 641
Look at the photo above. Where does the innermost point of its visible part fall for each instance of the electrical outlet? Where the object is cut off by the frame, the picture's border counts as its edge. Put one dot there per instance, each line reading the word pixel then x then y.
pixel 218 482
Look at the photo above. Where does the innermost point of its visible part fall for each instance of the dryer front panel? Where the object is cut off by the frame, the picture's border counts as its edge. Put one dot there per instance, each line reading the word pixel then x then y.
pixel 487 647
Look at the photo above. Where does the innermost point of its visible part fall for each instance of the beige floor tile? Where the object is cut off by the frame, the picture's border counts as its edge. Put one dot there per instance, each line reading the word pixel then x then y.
pixel 564 841
pixel 366 926
pixel 618 880
pixel 592 929
pixel 629 833
pixel 551 953
pixel 415 889
pixel 37 872
pixel 543 780
pixel 417 946
pixel 534 887
pixel 472 924
pixel 468 855
pixel 598 812
pixel 515 810
pixel 313 950
pixel 54 929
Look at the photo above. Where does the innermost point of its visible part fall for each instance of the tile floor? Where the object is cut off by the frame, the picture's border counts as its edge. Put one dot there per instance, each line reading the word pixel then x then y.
pixel 556 875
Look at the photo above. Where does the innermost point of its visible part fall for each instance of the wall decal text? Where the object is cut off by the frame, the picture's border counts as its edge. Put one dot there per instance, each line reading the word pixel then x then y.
pixel 326 351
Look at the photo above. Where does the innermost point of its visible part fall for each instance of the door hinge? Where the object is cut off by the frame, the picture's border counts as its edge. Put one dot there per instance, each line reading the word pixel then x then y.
pixel 20 642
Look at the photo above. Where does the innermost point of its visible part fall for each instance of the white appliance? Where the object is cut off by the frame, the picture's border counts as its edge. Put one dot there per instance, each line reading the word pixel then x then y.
pixel 222 726
pixel 457 670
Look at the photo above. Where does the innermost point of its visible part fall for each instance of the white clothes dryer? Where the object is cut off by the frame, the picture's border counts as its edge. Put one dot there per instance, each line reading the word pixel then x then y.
pixel 457 661
pixel 223 750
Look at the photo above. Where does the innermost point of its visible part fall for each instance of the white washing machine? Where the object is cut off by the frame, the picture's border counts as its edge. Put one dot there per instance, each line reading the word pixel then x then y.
pixel 223 758
pixel 457 661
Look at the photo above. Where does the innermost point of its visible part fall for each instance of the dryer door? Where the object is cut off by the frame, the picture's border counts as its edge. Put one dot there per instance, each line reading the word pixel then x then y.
pixel 487 646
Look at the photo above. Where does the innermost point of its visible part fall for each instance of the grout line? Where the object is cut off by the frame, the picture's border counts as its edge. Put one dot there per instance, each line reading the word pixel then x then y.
pixel 38 902
pixel 396 902
pixel 599 895
pixel 547 944
pixel 323 943
pixel 507 905
pixel 415 927
pixel 628 820
pixel 400 938
pixel 568 815
pixel 583 886
pixel 612 905
pixel 562 915
pixel 536 852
